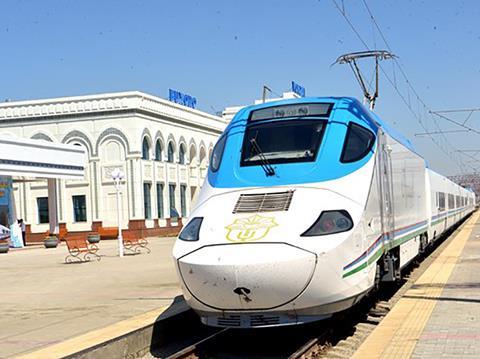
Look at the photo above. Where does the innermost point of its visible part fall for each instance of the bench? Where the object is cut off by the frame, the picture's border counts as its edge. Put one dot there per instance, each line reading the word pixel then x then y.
pixel 108 232
pixel 80 250
pixel 133 244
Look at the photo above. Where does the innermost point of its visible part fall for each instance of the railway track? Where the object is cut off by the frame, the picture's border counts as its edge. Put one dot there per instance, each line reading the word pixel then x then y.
pixel 338 337
pixel 342 343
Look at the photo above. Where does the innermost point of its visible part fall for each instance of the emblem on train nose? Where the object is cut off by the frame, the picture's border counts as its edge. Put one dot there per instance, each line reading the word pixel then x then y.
pixel 250 229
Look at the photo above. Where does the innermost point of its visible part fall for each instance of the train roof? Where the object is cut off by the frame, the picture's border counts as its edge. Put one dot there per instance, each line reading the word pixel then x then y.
pixel 350 104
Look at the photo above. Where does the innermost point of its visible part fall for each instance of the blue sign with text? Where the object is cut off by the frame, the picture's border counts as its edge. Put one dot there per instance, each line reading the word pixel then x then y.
pixel 299 90
pixel 181 98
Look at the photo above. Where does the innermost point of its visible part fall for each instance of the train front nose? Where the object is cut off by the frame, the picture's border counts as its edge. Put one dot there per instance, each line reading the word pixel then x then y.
pixel 245 276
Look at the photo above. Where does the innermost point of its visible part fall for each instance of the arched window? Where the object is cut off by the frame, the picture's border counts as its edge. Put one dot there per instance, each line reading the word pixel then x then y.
pixel 181 154
pixel 82 146
pixel 158 151
pixel 145 149
pixel 113 152
pixel 203 156
pixel 193 154
pixel 170 154
pixel 209 158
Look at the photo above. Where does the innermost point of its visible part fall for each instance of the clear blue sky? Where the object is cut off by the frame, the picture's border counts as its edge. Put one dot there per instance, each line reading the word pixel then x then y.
pixel 222 52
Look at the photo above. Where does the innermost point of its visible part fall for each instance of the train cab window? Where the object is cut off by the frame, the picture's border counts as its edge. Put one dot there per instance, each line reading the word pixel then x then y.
pixel 358 142
pixel 285 141
pixel 441 201
pixel 217 154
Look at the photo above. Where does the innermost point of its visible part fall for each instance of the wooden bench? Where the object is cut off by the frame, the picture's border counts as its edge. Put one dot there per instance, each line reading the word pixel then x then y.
pixel 134 244
pixel 79 249
pixel 108 232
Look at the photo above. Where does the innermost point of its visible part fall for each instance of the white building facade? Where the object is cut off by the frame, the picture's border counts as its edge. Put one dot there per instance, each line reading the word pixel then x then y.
pixel 162 147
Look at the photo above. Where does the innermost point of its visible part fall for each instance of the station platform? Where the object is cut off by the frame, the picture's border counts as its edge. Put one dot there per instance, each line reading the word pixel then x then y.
pixel 45 302
pixel 439 316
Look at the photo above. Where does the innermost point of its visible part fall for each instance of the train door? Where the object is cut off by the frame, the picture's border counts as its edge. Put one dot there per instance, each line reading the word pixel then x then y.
pixel 444 211
pixel 391 268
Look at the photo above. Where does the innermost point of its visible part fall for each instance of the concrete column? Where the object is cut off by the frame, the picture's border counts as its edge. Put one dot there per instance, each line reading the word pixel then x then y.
pixel 154 198
pixel 95 189
pixel 166 192
pixel 62 201
pixel 136 188
pixel 52 205
pixel 178 205
pixel 188 203
pixel 168 203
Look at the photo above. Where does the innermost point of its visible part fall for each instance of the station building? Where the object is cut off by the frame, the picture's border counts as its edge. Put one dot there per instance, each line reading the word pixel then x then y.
pixel 163 149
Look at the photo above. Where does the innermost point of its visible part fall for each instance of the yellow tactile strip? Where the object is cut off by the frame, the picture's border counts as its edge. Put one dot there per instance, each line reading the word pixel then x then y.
pixel 96 337
pixel 397 334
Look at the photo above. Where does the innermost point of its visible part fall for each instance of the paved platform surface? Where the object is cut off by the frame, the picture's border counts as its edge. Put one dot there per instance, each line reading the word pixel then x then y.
pixel 439 317
pixel 44 301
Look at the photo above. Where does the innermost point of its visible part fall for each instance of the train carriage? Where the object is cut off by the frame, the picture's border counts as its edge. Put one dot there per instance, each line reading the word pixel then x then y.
pixel 307 205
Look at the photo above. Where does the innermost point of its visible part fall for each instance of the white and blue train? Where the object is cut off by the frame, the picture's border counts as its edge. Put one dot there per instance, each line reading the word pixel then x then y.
pixel 308 204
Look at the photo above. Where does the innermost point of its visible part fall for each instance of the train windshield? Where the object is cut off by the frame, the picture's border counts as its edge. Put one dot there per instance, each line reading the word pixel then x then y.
pixel 282 142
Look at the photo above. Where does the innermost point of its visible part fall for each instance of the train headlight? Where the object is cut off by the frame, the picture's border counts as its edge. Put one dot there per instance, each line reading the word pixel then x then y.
pixel 191 231
pixel 330 222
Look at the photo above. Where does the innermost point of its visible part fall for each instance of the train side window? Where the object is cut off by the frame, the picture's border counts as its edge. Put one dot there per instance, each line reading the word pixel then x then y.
pixel 217 154
pixel 441 201
pixel 358 142
pixel 451 201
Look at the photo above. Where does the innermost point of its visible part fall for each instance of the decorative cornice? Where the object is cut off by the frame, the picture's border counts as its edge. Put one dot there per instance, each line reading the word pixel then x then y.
pixel 80 106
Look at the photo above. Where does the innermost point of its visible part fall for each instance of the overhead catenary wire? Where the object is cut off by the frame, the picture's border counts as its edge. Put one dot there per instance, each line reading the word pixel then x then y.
pixel 396 61
pixel 408 82
pixel 459 110
pixel 439 132
pixel 394 84
pixel 468 128
pixel 458 161
pixel 470 111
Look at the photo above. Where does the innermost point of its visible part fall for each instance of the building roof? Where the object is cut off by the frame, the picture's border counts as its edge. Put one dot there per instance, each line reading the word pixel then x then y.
pixel 108 103
pixel 39 159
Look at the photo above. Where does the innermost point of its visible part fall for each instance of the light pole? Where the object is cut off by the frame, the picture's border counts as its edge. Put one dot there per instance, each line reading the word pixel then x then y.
pixel 118 176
